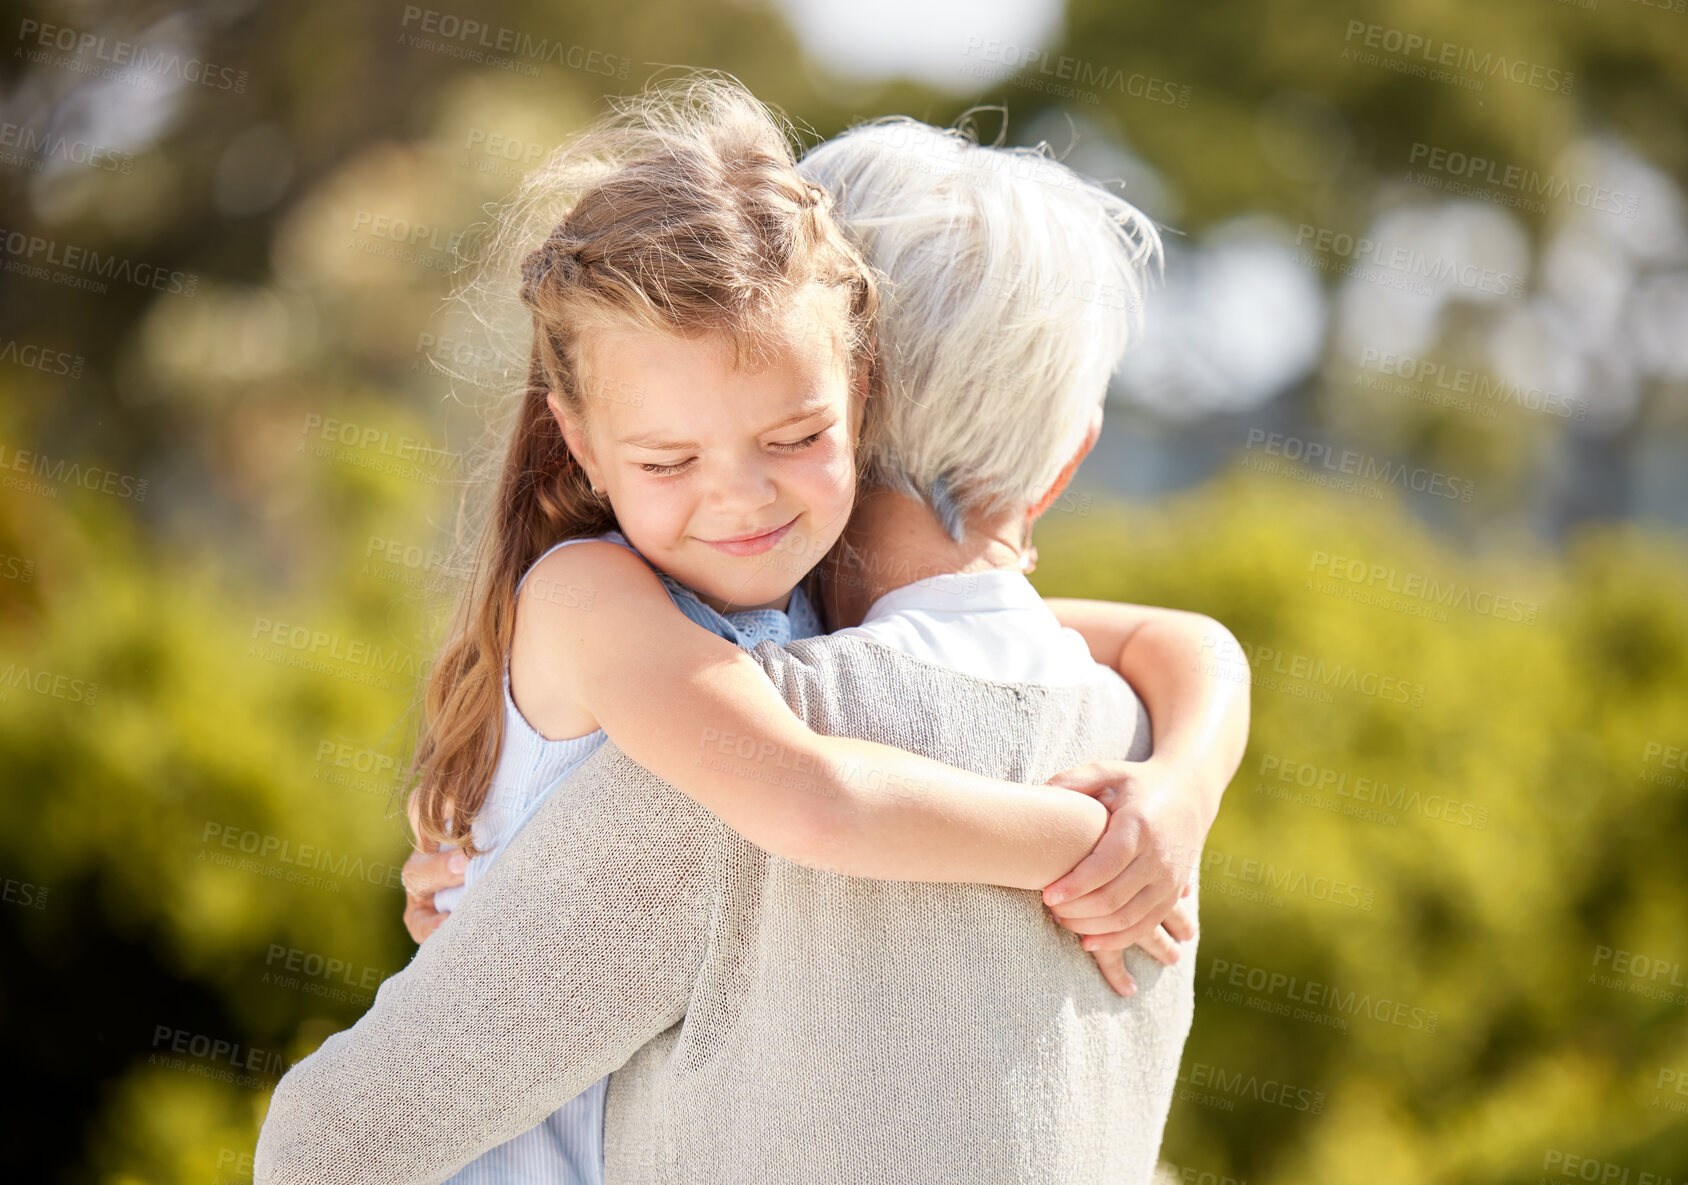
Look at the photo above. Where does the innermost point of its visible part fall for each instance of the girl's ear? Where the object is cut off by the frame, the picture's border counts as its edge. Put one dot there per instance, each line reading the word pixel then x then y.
pixel 575 437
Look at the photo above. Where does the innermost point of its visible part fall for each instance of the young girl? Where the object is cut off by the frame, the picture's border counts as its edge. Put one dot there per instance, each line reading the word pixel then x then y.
pixel 686 441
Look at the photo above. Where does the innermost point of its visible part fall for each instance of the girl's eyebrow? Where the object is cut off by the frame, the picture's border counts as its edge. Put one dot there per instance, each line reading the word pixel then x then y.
pixel 660 445
pixel 813 408
pixel 809 410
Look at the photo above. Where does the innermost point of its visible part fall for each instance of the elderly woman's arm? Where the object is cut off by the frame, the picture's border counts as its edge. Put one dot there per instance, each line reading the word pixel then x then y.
pixel 579 946
pixel 1193 678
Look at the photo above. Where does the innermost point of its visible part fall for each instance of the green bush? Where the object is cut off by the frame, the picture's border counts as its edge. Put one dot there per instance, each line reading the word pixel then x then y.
pixel 1444 818
pixel 1498 837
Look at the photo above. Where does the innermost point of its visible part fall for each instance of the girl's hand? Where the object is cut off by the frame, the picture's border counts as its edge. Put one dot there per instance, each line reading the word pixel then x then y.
pixel 1120 894
pixel 426 872
pixel 1179 926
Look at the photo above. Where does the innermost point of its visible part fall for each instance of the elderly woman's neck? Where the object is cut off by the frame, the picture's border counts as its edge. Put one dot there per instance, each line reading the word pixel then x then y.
pixel 895 539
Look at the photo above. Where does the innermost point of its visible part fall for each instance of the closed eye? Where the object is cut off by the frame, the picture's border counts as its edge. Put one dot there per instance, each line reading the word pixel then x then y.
pixel 664 470
pixel 791 446
pixel 798 445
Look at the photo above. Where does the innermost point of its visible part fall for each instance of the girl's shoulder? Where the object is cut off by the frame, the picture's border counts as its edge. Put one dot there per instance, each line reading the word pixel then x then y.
pixel 576 607
pixel 615 537
pixel 578 578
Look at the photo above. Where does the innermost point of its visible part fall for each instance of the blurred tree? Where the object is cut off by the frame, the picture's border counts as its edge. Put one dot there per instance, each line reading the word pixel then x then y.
pixel 208 673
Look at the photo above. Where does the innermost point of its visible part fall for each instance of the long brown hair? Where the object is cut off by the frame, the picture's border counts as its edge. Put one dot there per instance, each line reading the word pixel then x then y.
pixel 682 211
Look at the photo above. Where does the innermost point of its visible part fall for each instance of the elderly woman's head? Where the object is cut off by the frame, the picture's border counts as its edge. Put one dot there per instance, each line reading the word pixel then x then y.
pixel 1014 286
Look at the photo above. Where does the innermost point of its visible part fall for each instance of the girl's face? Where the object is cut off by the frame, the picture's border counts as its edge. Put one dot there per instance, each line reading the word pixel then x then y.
pixel 733 482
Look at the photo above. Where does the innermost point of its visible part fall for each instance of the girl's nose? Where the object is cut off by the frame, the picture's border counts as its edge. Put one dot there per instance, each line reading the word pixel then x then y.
pixel 743 486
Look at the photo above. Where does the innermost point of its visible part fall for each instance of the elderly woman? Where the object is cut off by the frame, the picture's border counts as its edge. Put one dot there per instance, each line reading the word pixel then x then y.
pixel 772 1022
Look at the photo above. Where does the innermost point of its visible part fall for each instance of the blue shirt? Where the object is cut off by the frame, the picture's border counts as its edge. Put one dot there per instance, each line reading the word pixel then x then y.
pixel 568 1148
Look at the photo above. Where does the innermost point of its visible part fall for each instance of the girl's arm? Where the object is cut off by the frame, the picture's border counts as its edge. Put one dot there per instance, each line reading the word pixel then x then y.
pixel 1184 667
pixel 610 650
pixel 1190 673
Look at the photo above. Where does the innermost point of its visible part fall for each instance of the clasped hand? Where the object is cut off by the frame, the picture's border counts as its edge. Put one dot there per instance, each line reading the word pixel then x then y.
pixel 1129 890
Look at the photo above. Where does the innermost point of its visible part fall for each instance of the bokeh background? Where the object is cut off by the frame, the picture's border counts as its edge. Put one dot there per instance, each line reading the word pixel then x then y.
pixel 1410 416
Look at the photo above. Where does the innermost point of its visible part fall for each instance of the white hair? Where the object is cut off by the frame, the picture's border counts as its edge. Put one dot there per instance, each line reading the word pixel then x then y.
pixel 1013 286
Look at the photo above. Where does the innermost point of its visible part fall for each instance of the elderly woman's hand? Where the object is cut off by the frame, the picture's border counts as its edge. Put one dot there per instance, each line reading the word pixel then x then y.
pixel 1121 894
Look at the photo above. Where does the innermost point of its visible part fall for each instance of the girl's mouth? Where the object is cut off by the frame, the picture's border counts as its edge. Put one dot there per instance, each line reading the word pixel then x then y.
pixel 743 545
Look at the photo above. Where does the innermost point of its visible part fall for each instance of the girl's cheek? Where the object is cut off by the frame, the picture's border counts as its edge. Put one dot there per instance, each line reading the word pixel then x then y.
pixel 830 478
pixel 831 491
pixel 836 455
pixel 655 511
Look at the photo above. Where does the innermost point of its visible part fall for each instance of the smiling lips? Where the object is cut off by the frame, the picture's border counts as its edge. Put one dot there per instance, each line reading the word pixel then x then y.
pixel 750 544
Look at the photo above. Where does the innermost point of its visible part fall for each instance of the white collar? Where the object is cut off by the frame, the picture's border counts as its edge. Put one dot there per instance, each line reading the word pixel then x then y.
pixel 960 592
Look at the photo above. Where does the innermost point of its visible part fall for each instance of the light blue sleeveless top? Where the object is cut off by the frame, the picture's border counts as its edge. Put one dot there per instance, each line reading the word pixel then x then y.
pixel 568 1148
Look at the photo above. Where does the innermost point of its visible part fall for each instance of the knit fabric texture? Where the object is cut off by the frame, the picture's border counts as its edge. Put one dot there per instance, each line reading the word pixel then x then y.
pixel 765 1022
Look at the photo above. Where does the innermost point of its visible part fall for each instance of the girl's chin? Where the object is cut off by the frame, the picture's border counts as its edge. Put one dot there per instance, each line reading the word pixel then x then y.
pixel 739 595
pixel 746 599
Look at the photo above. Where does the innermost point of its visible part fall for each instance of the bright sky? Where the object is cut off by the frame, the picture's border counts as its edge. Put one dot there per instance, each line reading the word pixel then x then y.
pixel 931 41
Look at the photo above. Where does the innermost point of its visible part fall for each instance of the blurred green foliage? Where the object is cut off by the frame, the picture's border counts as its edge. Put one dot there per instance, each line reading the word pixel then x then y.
pixel 1508 829
pixel 159 704
pixel 1490 916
